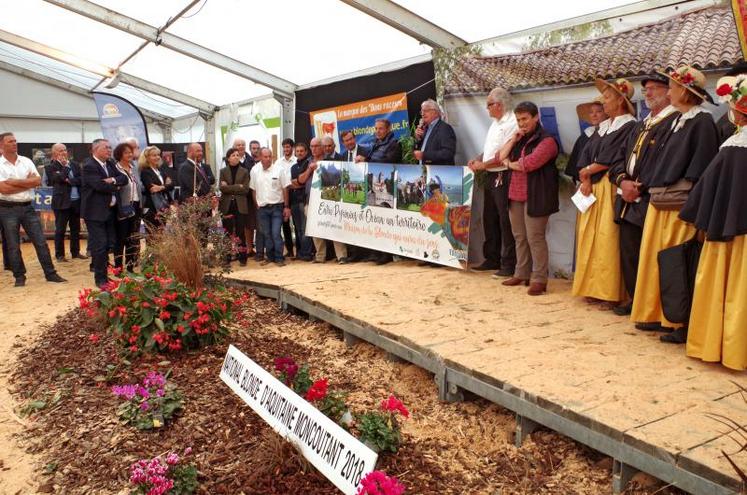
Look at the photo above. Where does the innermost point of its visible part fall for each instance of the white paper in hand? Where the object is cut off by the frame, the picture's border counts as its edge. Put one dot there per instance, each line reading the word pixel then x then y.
pixel 582 202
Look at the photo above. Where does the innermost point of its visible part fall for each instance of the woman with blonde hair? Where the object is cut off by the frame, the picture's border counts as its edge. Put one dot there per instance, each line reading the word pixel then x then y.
pixel 687 149
pixel 717 206
pixel 157 186
pixel 598 274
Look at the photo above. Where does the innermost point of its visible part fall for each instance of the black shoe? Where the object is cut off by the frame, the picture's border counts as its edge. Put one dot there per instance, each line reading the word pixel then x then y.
pixel 55 278
pixel 80 257
pixel 678 336
pixel 383 260
pixel 486 266
pixel 623 309
pixel 343 261
pixel 20 281
pixel 242 262
pixel 503 272
pixel 62 260
pixel 649 327
pixel 91 268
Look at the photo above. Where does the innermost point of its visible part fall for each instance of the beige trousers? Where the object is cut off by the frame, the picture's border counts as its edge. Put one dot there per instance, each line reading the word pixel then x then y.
pixel 341 250
pixel 532 258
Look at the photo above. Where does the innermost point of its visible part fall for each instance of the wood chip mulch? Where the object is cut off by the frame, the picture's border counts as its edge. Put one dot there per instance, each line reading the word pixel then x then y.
pixel 462 448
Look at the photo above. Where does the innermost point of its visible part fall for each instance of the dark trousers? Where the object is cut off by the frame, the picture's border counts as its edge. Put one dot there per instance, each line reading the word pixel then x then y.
pixel 499 248
pixel 101 236
pixel 69 217
pixel 234 224
pixel 127 244
pixel 288 237
pixel 259 240
pixel 6 256
pixel 270 223
pixel 14 217
pixel 304 245
pixel 630 249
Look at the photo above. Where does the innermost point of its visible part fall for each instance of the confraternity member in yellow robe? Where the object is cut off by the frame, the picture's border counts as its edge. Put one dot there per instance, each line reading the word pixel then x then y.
pixel 690 145
pixel 598 275
pixel 718 207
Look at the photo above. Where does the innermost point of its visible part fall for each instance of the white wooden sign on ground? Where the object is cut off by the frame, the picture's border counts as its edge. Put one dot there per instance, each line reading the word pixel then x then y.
pixel 333 451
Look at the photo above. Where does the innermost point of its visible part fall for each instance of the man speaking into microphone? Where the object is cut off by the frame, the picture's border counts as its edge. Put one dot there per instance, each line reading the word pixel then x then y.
pixel 436 140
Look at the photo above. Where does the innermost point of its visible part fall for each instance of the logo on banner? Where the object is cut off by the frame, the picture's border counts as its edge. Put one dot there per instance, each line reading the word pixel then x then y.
pixel 110 111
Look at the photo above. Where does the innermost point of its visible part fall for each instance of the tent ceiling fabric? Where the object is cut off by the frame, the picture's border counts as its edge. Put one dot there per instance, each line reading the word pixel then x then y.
pixel 302 42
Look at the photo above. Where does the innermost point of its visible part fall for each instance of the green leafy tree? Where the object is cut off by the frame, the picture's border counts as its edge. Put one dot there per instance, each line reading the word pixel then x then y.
pixel 587 31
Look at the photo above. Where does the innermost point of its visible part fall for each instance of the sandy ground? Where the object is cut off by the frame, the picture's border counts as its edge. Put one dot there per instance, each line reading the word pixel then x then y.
pixel 23 312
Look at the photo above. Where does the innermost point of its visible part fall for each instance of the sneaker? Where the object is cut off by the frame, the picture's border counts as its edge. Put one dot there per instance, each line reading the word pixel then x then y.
pixel 20 281
pixel 343 261
pixel 55 278
pixel 280 263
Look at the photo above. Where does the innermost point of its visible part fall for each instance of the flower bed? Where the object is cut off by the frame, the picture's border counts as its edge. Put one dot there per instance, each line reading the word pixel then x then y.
pixel 447 448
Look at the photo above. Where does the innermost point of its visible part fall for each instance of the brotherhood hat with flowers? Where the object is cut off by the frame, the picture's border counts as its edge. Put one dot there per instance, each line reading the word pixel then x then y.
pixel 733 90
pixel 691 79
pixel 621 87
pixel 655 77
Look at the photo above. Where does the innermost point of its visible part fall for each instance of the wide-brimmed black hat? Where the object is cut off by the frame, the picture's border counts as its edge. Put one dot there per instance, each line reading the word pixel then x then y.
pixel 737 69
pixel 656 77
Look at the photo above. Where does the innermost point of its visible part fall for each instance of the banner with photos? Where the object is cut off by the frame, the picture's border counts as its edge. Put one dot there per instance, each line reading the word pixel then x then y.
pixel 360 117
pixel 416 211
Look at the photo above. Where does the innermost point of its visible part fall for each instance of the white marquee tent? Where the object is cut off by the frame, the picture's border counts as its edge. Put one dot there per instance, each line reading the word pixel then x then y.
pixel 188 64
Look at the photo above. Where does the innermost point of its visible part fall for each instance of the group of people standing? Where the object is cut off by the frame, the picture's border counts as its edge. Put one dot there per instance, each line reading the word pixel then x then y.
pixel 673 178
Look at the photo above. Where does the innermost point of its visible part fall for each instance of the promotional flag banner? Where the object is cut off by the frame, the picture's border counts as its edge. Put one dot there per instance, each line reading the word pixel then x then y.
pixel 120 119
pixel 739 7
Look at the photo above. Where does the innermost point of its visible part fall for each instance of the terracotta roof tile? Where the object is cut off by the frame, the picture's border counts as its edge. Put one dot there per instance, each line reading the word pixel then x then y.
pixel 706 39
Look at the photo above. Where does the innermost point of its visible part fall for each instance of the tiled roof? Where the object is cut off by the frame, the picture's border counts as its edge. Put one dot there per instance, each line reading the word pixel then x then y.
pixel 705 38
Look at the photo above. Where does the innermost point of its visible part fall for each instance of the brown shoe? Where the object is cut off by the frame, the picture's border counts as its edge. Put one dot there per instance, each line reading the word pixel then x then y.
pixel 537 289
pixel 513 281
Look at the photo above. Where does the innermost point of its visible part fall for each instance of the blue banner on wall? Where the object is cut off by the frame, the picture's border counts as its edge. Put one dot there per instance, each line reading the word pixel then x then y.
pixel 360 117
pixel 120 119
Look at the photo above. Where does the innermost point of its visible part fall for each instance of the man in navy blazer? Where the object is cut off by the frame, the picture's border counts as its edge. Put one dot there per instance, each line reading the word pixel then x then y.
pixel 436 140
pixel 65 177
pixel 100 184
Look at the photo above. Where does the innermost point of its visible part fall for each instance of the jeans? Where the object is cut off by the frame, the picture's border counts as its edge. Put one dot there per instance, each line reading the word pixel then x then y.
pixel 63 218
pixel 13 217
pixel 270 223
pixel 6 255
pixel 304 246
pixel 101 236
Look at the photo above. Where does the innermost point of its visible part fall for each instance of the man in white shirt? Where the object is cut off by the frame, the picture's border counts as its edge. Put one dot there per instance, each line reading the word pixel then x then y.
pixel 269 184
pixel 286 162
pixel 499 248
pixel 18 178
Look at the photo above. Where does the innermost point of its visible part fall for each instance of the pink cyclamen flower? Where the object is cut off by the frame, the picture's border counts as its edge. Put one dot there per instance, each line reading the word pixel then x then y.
pixel 144 406
pixel 378 483
pixel 172 459
pixel 125 391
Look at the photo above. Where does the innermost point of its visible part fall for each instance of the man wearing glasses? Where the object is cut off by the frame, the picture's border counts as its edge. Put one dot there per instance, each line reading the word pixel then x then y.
pixel 499 248
pixel 436 140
